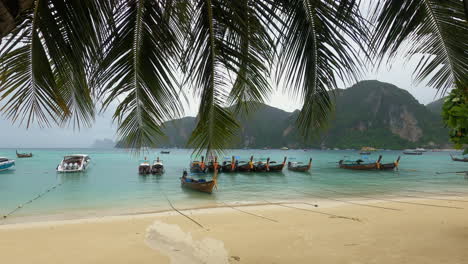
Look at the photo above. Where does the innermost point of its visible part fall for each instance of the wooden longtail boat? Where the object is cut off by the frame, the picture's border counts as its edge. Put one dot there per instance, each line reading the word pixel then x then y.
pixel 165 152
pixel 200 185
pixel 458 159
pixel 157 167
pixel 390 166
pixel 273 167
pixel 144 168
pixel 211 166
pixel 198 166
pixel 359 165
pixel 243 166
pixel 229 166
pixel 261 166
pixel 299 166
pixel 23 155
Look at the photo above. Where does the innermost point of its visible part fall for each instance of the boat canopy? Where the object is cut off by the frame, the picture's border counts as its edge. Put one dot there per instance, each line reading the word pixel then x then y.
pixel 2 159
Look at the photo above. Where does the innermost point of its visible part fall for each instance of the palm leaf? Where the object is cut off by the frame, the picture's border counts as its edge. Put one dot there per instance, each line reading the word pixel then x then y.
pixel 320 45
pixel 138 67
pixel 209 57
pixel 436 29
pixel 46 59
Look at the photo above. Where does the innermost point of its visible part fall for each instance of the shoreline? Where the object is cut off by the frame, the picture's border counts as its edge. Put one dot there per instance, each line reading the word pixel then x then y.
pixel 329 202
pixel 270 233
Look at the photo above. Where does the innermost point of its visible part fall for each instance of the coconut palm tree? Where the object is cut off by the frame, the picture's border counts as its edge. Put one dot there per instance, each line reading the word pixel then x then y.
pixel 64 60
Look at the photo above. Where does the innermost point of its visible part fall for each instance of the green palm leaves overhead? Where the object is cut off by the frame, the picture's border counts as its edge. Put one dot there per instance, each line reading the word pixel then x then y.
pixel 66 59
pixel 435 29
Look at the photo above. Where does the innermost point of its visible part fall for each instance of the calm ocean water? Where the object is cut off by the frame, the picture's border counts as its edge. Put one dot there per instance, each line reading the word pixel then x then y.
pixel 112 183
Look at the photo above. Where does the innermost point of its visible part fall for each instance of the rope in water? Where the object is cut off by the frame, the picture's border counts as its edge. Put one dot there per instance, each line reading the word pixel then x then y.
pixel 30 201
pixel 261 216
pixel 395 201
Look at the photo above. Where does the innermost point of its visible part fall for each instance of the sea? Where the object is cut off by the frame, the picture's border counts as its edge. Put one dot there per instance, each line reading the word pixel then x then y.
pixel 112 185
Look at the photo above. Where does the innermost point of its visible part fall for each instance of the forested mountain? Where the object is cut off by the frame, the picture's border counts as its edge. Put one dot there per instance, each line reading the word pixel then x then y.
pixel 370 113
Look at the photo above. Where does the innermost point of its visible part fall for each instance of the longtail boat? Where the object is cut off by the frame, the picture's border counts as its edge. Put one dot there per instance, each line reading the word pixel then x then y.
pixel 23 155
pixel 261 166
pixel 144 168
pixel 299 166
pixel 390 166
pixel 157 167
pixel 273 167
pixel 360 165
pixel 243 166
pixel 211 164
pixel 229 166
pixel 458 159
pixel 200 185
pixel 198 166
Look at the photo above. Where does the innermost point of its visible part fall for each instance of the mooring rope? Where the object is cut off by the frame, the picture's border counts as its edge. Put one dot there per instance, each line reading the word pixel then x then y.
pixel 261 216
pixel 313 211
pixel 350 202
pixel 175 209
pixel 30 201
pixel 395 201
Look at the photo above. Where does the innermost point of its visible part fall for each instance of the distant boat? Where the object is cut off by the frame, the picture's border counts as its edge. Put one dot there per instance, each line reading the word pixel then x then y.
pixel 243 166
pixel 412 152
pixel 464 159
pixel 6 163
pixel 23 155
pixel 261 166
pixel 276 167
pixel 229 165
pixel 284 148
pixel 198 166
pixel 211 164
pixel 165 152
pixel 157 167
pixel 390 166
pixel 299 166
pixel 360 164
pixel 421 150
pixel 365 153
pixel 74 163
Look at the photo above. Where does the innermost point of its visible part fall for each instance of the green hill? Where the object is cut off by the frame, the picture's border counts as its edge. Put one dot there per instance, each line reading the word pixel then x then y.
pixel 436 106
pixel 370 113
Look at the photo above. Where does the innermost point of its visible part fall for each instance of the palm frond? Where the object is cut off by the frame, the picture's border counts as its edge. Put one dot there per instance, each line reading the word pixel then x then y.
pixel 208 60
pixel 436 29
pixel 250 35
pixel 50 51
pixel 138 66
pixel 320 44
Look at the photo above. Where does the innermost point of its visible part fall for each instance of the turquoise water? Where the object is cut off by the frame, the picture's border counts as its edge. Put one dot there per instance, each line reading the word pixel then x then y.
pixel 112 183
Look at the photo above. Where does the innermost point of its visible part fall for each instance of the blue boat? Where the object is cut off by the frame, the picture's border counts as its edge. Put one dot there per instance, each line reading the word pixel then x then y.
pixel 6 164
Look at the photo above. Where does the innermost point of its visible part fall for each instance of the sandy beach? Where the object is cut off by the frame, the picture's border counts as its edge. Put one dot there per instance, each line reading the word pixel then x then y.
pixel 403 231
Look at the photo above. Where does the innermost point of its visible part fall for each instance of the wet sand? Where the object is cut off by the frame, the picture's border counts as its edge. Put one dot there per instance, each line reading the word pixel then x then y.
pixel 409 231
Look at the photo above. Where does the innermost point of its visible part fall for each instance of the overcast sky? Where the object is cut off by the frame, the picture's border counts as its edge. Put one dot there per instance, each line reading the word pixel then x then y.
pixel 13 136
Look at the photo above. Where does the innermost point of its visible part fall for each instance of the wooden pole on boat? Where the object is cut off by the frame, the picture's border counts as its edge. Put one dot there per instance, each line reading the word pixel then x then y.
pixel 310 164
pixel 378 162
pixel 202 163
pixel 268 164
pixel 233 163
pixel 215 176
pixel 284 161
pixel 251 162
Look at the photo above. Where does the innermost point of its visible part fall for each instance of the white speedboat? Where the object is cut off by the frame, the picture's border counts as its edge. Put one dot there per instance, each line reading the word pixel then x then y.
pixel 74 163
pixel 6 163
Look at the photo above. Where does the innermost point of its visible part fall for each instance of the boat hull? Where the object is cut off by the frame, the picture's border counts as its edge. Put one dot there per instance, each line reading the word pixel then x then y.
pixel 304 168
pixel 7 165
pixel 206 187
pixel 276 168
pixel 359 166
